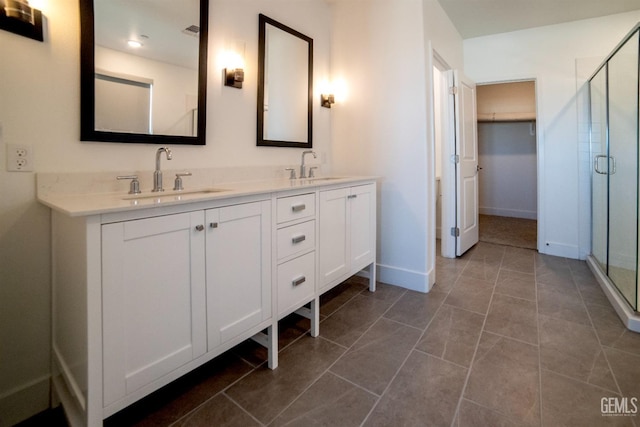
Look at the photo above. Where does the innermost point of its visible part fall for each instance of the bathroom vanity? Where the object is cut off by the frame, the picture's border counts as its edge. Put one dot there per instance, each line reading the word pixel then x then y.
pixel 147 287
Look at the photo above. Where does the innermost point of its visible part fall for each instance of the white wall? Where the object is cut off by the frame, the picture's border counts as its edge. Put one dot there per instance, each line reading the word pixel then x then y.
pixel 40 106
pixel 507 181
pixel 173 88
pixel 381 49
pixel 549 54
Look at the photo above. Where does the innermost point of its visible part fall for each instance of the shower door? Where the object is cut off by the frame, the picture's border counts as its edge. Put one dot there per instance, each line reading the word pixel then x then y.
pixel 614 93
pixel 599 181
pixel 623 169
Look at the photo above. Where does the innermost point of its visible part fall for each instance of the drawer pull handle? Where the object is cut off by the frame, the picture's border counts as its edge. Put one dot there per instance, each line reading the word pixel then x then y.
pixel 199 227
pixel 213 225
pixel 352 196
pixel 298 281
pixel 298 239
pixel 298 208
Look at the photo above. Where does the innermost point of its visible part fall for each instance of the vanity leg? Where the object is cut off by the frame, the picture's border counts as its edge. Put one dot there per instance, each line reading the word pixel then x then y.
pixel 270 342
pixel 372 276
pixel 313 314
pixel 272 347
pixel 315 317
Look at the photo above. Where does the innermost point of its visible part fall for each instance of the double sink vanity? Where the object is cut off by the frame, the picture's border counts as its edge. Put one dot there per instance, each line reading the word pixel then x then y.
pixel 152 283
pixel 148 286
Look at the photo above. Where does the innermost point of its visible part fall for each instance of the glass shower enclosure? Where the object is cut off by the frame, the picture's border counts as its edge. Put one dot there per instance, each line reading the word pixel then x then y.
pixel 614 137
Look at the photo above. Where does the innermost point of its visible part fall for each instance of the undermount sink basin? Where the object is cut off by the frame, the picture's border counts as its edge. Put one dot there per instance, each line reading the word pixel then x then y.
pixel 324 178
pixel 173 194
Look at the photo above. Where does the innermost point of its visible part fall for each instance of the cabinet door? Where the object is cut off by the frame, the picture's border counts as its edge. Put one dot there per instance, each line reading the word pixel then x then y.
pixel 238 247
pixel 362 225
pixel 153 288
pixel 333 241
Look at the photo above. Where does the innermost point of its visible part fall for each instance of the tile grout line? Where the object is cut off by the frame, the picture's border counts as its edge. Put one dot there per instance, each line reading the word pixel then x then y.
pixel 258 366
pixel 456 413
pixel 244 410
pixel 409 352
pixel 535 277
pixel 197 408
pixel 602 346
pixel 342 346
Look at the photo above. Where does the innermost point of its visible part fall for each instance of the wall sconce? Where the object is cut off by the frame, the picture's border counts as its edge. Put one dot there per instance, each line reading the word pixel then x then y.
pixel 233 77
pixel 18 17
pixel 232 61
pixel 327 100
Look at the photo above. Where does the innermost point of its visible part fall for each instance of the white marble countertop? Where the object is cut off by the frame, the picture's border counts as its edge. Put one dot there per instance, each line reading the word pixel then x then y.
pixel 95 203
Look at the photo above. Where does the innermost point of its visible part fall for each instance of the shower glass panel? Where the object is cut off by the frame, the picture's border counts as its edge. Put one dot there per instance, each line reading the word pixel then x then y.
pixel 599 182
pixel 614 98
pixel 623 168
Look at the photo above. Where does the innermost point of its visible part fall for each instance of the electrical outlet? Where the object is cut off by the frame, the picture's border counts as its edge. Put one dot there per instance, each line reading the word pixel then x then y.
pixel 19 158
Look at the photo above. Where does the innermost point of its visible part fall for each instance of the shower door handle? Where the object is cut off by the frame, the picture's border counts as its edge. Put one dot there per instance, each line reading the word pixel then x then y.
pixel 596 161
pixel 612 170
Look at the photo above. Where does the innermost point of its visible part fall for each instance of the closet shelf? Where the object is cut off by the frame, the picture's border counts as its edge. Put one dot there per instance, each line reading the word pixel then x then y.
pixel 506 117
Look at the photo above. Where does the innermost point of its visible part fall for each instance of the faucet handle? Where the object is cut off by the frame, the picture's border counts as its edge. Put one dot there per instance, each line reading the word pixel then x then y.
pixel 292 173
pixel 134 187
pixel 311 172
pixel 177 186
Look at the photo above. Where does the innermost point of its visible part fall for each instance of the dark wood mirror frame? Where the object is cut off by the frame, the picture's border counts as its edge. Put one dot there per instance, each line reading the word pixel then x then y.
pixel 261 141
pixel 87 86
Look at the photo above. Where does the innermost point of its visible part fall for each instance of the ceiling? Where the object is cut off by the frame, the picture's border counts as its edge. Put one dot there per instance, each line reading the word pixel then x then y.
pixel 158 24
pixel 474 18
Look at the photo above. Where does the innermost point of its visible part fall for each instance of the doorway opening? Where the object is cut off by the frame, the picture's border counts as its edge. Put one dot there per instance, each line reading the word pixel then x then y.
pixel 507 158
pixel 503 208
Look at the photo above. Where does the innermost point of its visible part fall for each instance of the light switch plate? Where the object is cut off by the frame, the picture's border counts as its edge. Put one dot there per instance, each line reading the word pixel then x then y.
pixel 19 158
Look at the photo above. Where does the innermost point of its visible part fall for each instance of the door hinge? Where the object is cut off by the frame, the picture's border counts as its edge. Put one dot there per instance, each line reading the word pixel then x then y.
pixel 455 159
pixel 455 231
pixel 453 90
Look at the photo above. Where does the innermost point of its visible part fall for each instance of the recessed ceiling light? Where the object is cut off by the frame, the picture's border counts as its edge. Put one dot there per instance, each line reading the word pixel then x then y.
pixel 134 43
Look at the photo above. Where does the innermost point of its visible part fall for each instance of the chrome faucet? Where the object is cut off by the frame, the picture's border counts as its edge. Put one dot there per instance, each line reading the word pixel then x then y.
pixel 157 175
pixel 303 168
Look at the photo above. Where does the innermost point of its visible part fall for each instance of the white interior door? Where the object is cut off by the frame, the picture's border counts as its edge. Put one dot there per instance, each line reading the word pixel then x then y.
pixel 466 151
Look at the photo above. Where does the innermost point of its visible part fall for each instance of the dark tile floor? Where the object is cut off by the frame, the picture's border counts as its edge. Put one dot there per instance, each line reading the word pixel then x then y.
pixel 506 337
pixel 501 230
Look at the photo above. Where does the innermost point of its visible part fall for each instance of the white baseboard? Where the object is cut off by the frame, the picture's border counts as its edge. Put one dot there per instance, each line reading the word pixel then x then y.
pixel 559 249
pixel 25 401
pixel 408 279
pixel 512 213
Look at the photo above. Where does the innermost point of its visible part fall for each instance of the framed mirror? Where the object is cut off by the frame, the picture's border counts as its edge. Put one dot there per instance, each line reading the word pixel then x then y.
pixel 285 86
pixel 143 71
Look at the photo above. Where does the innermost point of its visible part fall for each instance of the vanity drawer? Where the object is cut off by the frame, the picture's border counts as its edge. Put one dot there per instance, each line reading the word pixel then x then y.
pixel 296 238
pixel 296 207
pixel 296 282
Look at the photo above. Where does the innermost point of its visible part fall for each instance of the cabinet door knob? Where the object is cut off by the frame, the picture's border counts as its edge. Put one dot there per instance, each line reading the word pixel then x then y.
pixel 199 227
pixel 298 281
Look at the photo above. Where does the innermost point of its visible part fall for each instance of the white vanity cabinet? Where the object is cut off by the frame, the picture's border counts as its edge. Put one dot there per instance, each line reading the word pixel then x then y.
pixel 146 289
pixel 238 258
pixel 296 256
pixel 153 299
pixel 347 234
pixel 175 287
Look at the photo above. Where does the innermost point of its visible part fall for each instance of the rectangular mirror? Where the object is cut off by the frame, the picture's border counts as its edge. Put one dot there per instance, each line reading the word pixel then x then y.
pixel 285 86
pixel 144 71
